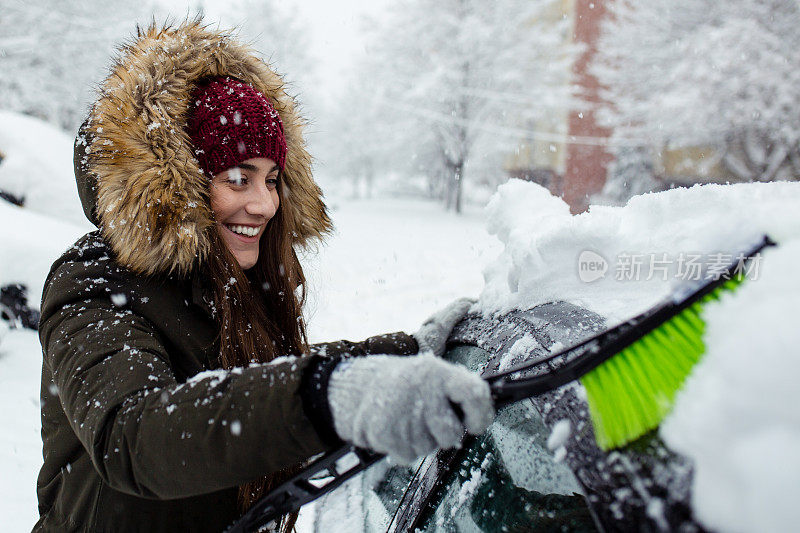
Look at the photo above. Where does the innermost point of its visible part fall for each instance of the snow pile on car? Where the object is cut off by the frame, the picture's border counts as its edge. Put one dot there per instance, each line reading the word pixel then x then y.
pixel 737 417
pixel 617 261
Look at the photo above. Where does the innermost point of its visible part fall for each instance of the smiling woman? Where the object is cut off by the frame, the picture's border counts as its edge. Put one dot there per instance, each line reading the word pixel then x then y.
pixel 177 382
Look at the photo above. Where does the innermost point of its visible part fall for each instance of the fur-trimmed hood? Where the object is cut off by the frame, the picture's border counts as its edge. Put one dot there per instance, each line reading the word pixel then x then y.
pixel 137 175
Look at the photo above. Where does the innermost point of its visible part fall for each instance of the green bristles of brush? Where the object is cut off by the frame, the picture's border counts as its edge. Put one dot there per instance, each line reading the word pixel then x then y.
pixel 631 393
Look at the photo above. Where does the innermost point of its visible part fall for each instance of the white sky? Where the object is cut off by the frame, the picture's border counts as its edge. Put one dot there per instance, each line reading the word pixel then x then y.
pixel 335 27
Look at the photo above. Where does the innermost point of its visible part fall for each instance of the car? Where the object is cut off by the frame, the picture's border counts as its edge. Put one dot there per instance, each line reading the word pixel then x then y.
pixel 537 468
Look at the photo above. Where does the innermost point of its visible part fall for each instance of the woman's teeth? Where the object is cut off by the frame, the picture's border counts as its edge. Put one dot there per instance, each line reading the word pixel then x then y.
pixel 243 230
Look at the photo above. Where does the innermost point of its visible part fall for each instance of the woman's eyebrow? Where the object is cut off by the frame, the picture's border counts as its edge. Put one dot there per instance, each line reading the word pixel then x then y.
pixel 248 166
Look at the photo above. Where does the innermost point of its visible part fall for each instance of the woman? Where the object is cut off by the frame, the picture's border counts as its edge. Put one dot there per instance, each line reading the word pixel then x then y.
pixel 167 402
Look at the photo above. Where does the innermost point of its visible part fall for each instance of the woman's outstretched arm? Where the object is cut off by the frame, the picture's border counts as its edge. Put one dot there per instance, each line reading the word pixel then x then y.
pixel 149 435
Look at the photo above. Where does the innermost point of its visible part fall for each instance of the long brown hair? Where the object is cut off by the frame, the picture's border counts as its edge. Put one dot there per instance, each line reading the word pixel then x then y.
pixel 259 314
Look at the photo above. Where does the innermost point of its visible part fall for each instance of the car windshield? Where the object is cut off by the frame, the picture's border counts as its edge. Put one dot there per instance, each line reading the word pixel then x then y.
pixel 367 502
pixel 507 480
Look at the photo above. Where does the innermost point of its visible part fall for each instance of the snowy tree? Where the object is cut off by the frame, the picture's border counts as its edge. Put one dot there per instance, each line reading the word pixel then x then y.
pixel 52 53
pixel 268 26
pixel 450 80
pixel 352 140
pixel 631 173
pixel 722 74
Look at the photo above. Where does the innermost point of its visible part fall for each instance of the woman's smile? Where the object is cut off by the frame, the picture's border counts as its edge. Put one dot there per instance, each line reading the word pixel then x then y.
pixel 244 231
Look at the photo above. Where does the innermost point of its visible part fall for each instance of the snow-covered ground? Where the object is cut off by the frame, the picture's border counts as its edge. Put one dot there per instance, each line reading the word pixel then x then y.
pixel 29 242
pixel 392 263
pixel 20 443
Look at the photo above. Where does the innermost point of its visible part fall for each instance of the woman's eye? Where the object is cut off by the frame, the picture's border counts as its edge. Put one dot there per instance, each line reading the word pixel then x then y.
pixel 272 183
pixel 235 177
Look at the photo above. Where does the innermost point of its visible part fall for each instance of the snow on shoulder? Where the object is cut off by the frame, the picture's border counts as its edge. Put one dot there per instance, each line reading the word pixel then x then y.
pixel 737 417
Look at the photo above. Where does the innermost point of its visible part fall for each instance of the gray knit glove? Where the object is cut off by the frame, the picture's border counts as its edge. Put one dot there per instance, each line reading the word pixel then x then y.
pixel 433 333
pixel 406 407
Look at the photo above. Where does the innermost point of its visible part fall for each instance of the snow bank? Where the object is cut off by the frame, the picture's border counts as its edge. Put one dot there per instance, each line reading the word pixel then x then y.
pixel 37 166
pixel 737 416
pixel 20 437
pixel 29 243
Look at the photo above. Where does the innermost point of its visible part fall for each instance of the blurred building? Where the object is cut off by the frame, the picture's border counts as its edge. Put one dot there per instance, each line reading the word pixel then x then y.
pixel 567 151
pixel 687 166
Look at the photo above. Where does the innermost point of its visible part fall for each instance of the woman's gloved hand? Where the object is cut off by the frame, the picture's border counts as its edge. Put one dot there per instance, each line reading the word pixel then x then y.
pixel 407 407
pixel 433 333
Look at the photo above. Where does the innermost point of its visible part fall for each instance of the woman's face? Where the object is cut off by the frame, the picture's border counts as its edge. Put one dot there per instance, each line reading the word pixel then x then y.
pixel 243 199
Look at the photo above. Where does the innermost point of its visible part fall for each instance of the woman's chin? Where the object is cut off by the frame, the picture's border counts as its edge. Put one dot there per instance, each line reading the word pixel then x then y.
pixel 246 259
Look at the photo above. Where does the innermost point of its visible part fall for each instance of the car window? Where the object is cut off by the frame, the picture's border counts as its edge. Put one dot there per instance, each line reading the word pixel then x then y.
pixel 644 484
pixel 507 480
pixel 383 489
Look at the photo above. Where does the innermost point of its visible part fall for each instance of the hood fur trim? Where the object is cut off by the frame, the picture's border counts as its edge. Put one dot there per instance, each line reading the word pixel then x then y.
pixel 152 199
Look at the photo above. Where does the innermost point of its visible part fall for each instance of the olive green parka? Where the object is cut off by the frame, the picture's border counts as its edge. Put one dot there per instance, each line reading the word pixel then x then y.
pixel 139 434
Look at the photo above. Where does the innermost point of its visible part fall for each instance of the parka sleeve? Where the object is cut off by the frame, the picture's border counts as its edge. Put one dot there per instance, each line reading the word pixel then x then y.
pixel 398 343
pixel 149 435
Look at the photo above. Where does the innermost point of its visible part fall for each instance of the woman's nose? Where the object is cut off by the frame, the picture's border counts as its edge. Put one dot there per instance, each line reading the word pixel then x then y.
pixel 261 202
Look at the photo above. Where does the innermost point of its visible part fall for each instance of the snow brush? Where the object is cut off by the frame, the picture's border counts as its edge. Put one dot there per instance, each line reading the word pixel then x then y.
pixel 631 373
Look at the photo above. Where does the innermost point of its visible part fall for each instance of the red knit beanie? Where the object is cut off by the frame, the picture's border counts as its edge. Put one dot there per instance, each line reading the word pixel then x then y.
pixel 229 122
